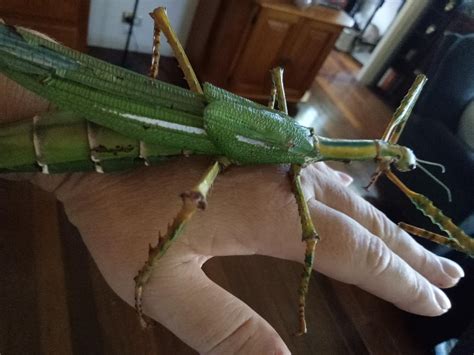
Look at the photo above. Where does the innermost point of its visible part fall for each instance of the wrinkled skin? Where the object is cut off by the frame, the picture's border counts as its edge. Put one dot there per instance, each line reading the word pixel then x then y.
pixel 251 211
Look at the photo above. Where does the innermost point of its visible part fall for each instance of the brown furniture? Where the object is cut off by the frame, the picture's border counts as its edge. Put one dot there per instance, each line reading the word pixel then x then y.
pixel 234 44
pixel 65 20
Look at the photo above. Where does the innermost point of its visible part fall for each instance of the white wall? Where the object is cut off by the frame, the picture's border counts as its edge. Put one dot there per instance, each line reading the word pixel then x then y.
pixel 106 28
pixel 405 20
pixel 386 14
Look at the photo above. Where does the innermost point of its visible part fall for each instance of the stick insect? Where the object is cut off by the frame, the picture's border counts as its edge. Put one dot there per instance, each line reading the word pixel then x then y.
pixel 108 119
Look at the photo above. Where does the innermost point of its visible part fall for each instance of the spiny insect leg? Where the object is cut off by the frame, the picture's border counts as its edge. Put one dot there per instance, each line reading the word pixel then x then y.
pixel 192 201
pixel 310 236
pixel 434 237
pixel 436 216
pixel 163 23
pixel 155 55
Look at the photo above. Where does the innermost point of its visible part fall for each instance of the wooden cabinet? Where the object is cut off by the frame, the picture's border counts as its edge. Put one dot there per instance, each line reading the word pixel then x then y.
pixel 266 47
pixel 64 20
pixel 237 53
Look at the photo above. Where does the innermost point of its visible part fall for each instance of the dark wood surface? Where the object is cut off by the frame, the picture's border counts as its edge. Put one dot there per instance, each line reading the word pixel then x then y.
pixel 214 40
pixel 65 20
pixel 54 300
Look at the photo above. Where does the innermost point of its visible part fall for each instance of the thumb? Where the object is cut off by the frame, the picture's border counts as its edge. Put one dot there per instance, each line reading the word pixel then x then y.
pixel 205 316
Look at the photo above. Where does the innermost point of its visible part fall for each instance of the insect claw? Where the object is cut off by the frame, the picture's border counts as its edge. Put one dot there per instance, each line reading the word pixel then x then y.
pixel 301 332
pixel 143 323
pixel 202 204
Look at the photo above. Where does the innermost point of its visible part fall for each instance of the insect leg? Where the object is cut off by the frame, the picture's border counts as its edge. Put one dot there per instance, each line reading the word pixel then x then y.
pixel 277 79
pixel 310 236
pixel 193 200
pixel 162 22
pixel 273 92
pixel 426 206
pixel 397 123
pixel 434 237
pixel 155 55
pixel 402 113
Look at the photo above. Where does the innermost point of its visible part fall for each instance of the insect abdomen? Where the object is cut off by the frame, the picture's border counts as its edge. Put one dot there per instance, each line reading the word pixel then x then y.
pixel 60 142
pixel 16 147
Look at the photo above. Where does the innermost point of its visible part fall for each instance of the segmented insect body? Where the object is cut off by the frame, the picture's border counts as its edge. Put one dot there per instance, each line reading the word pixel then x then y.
pixel 123 108
pixel 108 118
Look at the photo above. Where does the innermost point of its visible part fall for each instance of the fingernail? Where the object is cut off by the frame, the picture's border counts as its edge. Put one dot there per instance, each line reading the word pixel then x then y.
pixel 443 301
pixel 452 269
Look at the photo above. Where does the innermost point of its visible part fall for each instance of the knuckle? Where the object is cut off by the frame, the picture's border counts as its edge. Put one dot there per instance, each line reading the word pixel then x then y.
pixel 423 261
pixel 416 290
pixel 379 224
pixel 378 260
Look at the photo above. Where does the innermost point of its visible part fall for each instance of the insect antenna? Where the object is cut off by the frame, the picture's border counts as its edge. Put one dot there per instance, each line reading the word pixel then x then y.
pixel 441 166
pixel 427 172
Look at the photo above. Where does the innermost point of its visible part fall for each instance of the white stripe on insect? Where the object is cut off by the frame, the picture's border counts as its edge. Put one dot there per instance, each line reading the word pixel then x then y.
pixel 160 123
pixel 252 141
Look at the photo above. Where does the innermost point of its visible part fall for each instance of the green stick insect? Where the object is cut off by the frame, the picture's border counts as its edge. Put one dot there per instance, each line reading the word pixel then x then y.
pixel 107 119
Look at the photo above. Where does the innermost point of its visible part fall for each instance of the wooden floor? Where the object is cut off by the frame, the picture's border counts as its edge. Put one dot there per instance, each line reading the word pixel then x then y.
pixel 54 301
pixel 346 109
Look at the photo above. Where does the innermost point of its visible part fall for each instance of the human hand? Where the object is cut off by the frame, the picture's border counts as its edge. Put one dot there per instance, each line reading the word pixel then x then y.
pixel 251 211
